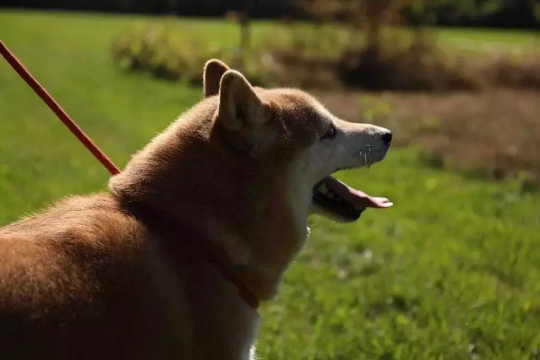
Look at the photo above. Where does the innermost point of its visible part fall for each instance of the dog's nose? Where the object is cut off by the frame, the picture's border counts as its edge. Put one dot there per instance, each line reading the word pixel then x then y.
pixel 387 137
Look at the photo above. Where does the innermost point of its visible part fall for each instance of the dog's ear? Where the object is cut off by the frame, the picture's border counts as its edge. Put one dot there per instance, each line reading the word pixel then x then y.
pixel 238 102
pixel 213 72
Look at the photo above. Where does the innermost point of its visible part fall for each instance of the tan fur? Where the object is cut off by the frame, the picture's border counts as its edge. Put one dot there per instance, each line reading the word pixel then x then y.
pixel 118 275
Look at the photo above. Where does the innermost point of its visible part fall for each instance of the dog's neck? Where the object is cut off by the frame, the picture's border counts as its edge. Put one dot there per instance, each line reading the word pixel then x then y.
pixel 214 192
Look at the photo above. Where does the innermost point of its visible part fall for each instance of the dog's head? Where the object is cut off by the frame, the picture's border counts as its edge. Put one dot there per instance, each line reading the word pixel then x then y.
pixel 292 132
pixel 247 166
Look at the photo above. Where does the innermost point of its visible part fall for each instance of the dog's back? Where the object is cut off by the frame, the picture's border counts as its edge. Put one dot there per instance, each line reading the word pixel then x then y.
pixel 63 267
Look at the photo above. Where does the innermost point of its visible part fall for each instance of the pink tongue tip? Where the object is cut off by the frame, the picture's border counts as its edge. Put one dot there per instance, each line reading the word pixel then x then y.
pixel 349 194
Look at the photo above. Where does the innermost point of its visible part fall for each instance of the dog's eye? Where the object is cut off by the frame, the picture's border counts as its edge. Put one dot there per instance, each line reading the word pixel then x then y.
pixel 330 133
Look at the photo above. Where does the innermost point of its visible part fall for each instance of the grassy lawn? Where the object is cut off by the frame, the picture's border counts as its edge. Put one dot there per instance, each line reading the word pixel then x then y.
pixel 451 272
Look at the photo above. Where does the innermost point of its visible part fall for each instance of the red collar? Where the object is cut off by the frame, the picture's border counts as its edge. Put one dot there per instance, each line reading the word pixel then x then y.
pixel 234 279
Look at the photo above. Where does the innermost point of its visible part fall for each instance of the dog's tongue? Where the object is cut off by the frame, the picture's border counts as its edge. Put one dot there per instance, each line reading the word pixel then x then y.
pixel 354 197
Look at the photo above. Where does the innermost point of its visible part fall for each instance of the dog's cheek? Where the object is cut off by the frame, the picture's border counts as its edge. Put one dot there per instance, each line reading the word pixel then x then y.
pixel 321 159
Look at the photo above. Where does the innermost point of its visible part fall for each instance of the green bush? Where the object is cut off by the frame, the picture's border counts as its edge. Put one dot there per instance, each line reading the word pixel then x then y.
pixel 325 56
pixel 157 49
pixel 167 53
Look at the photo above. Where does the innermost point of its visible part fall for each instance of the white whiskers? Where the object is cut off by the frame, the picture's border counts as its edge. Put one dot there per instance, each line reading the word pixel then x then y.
pixel 366 155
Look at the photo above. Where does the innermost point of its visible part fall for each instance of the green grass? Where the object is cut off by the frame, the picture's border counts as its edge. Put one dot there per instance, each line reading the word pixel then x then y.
pixel 489 40
pixel 451 272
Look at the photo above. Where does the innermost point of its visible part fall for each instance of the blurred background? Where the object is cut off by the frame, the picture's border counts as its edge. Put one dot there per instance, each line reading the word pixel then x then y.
pixel 452 271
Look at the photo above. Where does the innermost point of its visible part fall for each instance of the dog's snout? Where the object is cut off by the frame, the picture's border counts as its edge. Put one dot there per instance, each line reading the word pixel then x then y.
pixel 387 137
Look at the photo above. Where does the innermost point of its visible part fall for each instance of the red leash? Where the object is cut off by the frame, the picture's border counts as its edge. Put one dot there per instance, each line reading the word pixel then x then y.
pixel 244 292
pixel 57 109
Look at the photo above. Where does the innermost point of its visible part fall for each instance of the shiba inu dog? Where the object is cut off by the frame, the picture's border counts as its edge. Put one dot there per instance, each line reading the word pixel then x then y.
pixel 171 262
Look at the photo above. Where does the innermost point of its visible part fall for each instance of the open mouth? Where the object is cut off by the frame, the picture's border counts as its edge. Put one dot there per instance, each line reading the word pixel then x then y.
pixel 338 199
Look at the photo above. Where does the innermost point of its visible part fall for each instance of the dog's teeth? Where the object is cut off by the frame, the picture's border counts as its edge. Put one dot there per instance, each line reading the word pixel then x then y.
pixel 322 189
